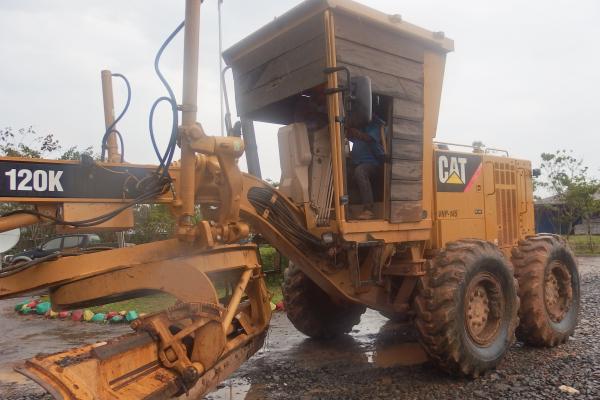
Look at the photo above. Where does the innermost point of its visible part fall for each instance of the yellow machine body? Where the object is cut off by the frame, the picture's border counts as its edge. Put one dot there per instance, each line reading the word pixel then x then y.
pixel 427 197
pixel 482 196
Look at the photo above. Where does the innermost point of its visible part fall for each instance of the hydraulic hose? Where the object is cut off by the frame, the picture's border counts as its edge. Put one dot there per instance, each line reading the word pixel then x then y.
pixel 165 159
pixel 110 129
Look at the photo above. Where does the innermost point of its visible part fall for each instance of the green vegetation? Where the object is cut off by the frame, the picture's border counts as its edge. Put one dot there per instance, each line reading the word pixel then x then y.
pixel 145 304
pixel 271 261
pixel 274 282
pixel 573 187
pixel 273 265
pixel 585 245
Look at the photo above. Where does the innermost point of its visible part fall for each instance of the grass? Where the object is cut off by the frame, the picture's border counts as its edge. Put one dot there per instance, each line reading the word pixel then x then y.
pixel 274 282
pixel 146 304
pixel 584 245
pixel 273 273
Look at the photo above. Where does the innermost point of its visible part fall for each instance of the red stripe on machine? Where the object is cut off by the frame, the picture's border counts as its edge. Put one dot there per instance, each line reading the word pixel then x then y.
pixel 473 178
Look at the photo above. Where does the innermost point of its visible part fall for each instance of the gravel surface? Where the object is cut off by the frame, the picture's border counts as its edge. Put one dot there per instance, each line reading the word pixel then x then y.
pixel 380 360
pixel 350 369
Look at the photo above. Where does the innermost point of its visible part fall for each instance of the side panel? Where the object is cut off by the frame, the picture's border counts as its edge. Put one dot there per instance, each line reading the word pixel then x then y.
pixel 459 196
pixel 482 196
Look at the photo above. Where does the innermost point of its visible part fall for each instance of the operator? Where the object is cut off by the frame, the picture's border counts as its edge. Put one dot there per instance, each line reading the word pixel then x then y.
pixel 311 108
pixel 368 156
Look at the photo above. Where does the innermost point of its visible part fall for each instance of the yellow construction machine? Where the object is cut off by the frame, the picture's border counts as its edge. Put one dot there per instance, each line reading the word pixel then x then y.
pixel 448 244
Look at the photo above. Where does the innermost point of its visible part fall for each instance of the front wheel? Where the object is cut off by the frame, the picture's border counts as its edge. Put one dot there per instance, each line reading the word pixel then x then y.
pixel 312 311
pixel 466 307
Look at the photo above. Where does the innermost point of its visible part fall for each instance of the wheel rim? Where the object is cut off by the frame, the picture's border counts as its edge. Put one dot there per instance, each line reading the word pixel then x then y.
pixel 484 306
pixel 558 294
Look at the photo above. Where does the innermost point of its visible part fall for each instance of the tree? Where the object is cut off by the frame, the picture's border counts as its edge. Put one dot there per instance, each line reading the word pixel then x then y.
pixel 28 143
pixel 152 222
pixel 73 153
pixel 574 190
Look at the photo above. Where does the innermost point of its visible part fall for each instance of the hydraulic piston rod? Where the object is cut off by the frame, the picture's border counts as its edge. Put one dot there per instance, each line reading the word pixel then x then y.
pixel 189 112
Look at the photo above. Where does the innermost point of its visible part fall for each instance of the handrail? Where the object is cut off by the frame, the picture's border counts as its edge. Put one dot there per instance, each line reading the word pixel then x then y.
pixel 486 150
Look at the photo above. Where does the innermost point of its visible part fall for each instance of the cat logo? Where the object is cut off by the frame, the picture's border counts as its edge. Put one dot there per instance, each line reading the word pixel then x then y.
pixel 452 170
pixel 457 172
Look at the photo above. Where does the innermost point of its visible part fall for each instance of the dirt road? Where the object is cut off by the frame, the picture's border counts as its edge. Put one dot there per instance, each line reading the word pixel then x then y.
pixel 375 361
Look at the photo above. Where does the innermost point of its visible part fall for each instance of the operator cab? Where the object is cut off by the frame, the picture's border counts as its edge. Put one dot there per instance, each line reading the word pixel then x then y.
pixel 323 69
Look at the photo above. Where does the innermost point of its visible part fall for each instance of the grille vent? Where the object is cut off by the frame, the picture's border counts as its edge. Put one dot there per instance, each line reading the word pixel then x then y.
pixel 505 179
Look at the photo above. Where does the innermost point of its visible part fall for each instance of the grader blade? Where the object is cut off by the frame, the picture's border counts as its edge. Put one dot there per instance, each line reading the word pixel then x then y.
pixel 127 368
pixel 220 319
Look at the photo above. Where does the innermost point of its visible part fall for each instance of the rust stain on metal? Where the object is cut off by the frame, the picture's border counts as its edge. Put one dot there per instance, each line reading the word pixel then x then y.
pixel 72 360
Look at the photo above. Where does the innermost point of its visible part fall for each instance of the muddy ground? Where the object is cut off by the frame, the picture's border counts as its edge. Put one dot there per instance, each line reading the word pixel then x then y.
pixel 377 360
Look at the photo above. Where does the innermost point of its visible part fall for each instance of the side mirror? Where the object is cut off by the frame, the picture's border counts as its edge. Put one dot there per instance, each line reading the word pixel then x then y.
pixel 361 102
pixel 357 97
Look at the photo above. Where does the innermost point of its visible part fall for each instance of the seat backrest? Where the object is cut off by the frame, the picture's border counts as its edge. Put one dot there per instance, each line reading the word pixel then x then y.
pixel 294 157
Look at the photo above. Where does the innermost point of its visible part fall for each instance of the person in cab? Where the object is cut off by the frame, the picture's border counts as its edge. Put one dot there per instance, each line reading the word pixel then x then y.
pixel 367 156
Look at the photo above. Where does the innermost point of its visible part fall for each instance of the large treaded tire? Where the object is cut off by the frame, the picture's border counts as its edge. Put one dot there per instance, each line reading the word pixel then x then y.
pixel 312 311
pixel 534 259
pixel 442 307
pixel 396 317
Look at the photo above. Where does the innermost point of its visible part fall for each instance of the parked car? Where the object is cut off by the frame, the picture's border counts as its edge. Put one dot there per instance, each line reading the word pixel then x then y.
pixel 57 244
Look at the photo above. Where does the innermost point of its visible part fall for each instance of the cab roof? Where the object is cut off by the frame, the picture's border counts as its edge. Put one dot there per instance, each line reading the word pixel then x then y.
pixel 308 8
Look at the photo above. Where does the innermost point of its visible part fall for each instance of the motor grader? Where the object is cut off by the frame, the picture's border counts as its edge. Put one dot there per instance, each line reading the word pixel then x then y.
pixel 451 247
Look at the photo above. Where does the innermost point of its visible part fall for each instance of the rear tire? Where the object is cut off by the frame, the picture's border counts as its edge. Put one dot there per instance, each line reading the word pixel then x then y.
pixel 466 307
pixel 396 317
pixel 312 311
pixel 549 289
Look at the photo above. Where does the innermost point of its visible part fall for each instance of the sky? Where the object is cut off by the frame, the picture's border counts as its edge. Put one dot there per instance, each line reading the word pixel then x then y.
pixel 524 76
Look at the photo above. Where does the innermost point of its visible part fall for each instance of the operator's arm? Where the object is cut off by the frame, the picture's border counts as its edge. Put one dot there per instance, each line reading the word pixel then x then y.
pixel 374 133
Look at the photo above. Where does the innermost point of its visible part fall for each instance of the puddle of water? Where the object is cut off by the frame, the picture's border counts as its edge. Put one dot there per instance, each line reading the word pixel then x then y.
pixel 399 355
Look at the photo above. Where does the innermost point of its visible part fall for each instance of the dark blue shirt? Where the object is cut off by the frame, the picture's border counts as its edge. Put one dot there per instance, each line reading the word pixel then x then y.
pixel 369 152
